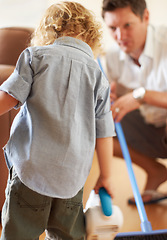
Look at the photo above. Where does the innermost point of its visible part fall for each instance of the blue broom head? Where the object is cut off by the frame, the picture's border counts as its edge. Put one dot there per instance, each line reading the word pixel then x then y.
pixel 152 235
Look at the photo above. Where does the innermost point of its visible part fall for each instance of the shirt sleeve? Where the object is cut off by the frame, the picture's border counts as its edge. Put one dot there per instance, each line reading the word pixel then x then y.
pixel 19 83
pixel 104 120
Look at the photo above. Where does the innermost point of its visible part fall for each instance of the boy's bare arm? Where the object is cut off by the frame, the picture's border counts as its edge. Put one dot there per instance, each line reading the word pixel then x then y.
pixel 7 102
pixel 104 149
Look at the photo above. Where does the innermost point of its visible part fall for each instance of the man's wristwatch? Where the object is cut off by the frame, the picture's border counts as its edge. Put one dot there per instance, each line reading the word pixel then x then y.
pixel 139 93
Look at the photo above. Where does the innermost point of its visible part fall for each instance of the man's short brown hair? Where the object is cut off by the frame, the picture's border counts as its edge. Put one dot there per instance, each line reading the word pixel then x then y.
pixel 137 6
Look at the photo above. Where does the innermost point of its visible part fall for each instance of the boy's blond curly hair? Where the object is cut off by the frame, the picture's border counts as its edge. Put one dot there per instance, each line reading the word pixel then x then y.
pixel 68 19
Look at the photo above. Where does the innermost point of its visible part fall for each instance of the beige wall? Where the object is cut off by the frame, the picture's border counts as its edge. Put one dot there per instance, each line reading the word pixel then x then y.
pixel 157 10
pixel 29 12
pixel 21 12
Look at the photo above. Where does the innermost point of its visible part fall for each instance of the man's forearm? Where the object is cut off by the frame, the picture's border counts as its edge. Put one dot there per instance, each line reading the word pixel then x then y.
pixel 155 98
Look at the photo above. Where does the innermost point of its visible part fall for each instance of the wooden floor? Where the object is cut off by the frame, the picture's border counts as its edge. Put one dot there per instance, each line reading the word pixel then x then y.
pixel 157 213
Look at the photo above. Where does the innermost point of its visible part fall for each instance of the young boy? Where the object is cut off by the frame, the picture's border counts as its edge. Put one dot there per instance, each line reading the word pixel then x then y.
pixel 64 114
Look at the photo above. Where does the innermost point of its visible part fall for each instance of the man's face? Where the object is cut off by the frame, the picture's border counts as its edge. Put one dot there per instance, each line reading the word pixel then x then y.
pixel 128 29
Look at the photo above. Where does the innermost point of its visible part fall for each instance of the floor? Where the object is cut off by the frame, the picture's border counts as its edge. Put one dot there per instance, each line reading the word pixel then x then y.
pixel 157 213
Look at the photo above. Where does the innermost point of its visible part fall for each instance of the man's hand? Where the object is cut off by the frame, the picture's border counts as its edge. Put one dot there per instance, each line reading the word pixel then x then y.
pixel 123 105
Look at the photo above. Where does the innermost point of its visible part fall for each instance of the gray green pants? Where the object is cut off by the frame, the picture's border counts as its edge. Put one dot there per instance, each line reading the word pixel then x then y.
pixel 27 214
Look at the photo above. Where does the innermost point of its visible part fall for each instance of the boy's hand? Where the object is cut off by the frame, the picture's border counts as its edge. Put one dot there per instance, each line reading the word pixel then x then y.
pixel 106 183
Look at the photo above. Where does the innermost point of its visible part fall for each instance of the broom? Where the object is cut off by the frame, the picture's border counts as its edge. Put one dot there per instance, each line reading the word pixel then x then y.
pixel 147 232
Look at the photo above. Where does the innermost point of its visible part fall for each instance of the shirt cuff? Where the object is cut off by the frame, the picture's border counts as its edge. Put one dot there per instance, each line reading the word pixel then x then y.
pixel 105 126
pixel 16 87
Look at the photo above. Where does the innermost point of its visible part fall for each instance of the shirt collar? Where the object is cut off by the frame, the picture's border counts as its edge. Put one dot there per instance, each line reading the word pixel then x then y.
pixel 123 55
pixel 149 45
pixel 75 43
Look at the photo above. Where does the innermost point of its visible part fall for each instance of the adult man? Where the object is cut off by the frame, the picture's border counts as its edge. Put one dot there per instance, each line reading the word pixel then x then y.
pixel 137 69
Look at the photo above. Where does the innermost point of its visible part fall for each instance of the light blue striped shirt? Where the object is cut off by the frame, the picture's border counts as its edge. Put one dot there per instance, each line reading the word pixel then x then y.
pixel 65 106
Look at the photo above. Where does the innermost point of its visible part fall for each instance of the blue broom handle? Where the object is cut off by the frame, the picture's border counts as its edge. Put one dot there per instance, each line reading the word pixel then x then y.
pixel 145 224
